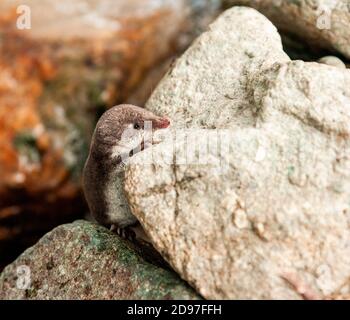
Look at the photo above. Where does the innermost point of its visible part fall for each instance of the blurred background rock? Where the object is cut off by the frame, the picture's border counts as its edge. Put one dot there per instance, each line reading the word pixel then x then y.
pixel 79 58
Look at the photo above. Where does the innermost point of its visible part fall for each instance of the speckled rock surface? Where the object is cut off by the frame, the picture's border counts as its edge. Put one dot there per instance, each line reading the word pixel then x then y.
pixel 213 72
pixel 275 223
pixel 78 58
pixel 322 24
pixel 85 261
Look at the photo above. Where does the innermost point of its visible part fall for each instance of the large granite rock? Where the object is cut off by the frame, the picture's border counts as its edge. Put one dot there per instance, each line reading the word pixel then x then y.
pixel 273 221
pixel 322 24
pixel 78 58
pixel 85 261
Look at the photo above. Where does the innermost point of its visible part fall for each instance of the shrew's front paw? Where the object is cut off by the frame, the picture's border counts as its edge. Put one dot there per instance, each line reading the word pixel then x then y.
pixel 125 233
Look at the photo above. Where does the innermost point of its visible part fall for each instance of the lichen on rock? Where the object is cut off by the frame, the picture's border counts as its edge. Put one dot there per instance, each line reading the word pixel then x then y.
pixel 85 261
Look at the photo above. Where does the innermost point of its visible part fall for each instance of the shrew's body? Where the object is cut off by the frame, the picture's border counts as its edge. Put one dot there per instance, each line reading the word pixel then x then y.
pixel 118 135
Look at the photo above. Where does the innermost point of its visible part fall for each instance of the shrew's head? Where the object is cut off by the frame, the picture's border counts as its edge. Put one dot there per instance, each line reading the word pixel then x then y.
pixel 121 131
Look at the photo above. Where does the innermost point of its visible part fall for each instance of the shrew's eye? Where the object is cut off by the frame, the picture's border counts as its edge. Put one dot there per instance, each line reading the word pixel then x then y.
pixel 136 126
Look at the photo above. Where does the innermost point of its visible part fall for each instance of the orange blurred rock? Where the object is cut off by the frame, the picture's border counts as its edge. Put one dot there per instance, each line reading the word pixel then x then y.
pixel 78 58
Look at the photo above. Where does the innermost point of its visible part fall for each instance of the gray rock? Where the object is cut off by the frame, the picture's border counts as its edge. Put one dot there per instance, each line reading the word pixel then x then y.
pixel 322 24
pixel 85 261
pixel 332 61
pixel 275 223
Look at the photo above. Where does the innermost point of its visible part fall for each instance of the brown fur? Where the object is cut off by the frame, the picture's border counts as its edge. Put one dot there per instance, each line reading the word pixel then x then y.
pixel 100 164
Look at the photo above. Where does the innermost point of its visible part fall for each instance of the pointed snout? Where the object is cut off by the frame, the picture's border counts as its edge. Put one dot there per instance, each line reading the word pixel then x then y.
pixel 160 123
